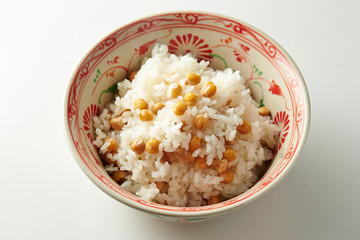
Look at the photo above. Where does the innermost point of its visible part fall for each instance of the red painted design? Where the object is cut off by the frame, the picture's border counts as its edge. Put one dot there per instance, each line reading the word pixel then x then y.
pixel 246 49
pixel 110 73
pixel 190 43
pixel 189 18
pixel 114 61
pixel 145 47
pixel 275 89
pixel 191 21
pixel 282 120
pixel 227 40
pixel 238 56
pixel 91 111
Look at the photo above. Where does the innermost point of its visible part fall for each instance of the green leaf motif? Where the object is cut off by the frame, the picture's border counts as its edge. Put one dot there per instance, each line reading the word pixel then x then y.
pixel 219 57
pixel 112 89
pixel 261 102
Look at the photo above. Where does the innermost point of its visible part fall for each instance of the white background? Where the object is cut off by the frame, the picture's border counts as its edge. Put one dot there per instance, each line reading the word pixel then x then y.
pixel 45 195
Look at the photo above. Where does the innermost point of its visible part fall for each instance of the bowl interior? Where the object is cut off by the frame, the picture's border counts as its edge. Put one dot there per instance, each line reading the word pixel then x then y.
pixel 269 72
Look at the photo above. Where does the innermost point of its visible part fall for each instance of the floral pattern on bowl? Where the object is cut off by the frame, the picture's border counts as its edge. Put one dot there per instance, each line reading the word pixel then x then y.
pixel 271 75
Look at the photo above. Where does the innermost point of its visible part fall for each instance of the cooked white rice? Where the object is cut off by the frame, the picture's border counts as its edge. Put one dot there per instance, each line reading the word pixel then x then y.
pixel 187 186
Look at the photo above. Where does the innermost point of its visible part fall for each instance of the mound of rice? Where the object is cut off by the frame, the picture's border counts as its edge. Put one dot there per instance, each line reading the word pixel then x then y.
pixel 179 182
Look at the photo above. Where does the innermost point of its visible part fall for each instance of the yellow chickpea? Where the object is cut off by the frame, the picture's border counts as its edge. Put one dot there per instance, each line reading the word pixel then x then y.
pixel 222 166
pixel 118 175
pixel 227 175
pixel 112 148
pixel 157 107
pixel 214 200
pixel 132 75
pixel 140 103
pixel 230 154
pixel 146 115
pixel 264 111
pixel 200 163
pixel 179 108
pixel 208 90
pixel 201 121
pixel 138 146
pixel 117 123
pixel 194 144
pixel 244 128
pixel 176 91
pixel 190 98
pixel 192 79
pixel 152 145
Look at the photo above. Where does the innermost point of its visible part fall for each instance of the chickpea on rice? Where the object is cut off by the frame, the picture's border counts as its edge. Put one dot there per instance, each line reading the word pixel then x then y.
pixel 183 134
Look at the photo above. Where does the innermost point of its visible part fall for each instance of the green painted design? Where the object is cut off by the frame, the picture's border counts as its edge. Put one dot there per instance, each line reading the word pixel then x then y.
pixel 282 153
pixel 261 102
pixel 219 57
pixel 112 89
pixel 257 71
pixel 97 76
pixel 157 216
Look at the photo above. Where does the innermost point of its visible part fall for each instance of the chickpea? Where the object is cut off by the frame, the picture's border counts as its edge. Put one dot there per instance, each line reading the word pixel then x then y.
pixel 208 90
pixel 194 144
pixel 152 145
pixel 132 75
pixel 192 79
pixel 140 103
pixel 214 200
pixel 190 99
pixel 264 111
pixel 200 163
pixel 186 156
pixel 179 108
pixel 158 106
pixel 201 121
pixel 117 123
pixel 176 91
pixel 118 175
pixel 244 128
pixel 230 154
pixel 162 186
pixel 227 175
pixel 222 166
pixel 112 148
pixel 137 145
pixel 108 160
pixel 167 157
pixel 146 115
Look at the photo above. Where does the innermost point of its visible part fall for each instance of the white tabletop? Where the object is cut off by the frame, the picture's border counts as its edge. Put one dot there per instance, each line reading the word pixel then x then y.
pixel 45 195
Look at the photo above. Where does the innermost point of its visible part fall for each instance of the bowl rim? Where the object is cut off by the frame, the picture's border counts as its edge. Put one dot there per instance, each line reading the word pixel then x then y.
pixel 183 213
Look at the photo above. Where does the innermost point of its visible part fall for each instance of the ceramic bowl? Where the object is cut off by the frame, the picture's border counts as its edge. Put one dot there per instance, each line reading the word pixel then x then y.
pixel 270 73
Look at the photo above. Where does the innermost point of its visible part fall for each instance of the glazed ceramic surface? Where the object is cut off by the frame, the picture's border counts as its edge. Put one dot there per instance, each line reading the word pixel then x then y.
pixel 269 72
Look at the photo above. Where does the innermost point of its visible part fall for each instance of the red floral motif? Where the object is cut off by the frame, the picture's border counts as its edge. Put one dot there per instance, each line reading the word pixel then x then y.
pixel 189 43
pixel 275 89
pixel 245 48
pixel 145 47
pixel 238 56
pixel 93 110
pixel 282 120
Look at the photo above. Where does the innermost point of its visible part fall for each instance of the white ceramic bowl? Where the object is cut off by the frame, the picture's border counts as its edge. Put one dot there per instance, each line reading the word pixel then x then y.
pixel 270 73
